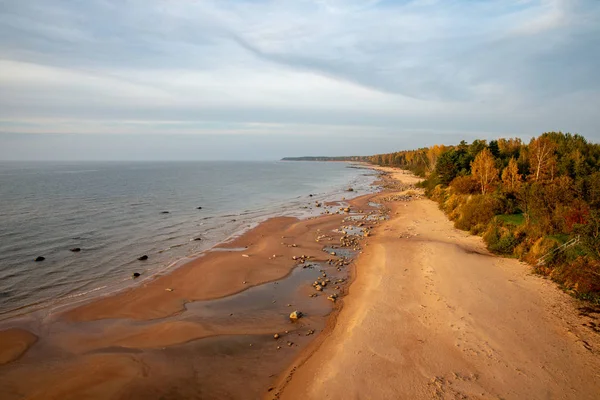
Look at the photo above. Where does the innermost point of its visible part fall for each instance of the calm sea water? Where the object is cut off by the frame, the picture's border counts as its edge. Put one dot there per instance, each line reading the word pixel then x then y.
pixel 114 212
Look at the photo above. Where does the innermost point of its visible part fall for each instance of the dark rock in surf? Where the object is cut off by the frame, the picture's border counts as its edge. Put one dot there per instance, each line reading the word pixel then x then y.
pixel 164 212
pixel 198 208
pixel 40 258
pixel 143 258
pixel 197 239
pixel 135 274
pixel 75 249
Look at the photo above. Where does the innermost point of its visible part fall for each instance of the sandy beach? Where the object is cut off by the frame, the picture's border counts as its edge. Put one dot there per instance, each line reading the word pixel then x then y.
pixel 424 311
pixel 204 330
pixel 432 314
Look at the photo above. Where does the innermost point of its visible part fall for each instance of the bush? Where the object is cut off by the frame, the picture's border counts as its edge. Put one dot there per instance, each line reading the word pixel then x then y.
pixel 501 239
pixel 452 205
pixel 506 244
pixel 479 209
pixel 581 274
pixel 465 185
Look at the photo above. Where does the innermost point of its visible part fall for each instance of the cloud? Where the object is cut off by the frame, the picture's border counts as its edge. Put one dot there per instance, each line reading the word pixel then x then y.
pixel 330 66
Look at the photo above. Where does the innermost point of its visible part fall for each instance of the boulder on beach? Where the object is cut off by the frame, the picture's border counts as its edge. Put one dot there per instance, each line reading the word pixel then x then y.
pixel 296 315
pixel 135 274
pixel 40 258
pixel 143 258
pixel 75 249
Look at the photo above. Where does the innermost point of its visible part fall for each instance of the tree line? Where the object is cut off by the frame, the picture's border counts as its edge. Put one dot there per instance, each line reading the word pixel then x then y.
pixel 525 199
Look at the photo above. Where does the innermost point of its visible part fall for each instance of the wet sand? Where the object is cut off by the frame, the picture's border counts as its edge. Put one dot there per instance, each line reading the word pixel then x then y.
pixel 204 330
pixel 433 315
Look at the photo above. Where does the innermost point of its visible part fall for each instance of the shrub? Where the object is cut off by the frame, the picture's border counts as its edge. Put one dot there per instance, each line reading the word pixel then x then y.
pixel 581 274
pixel 465 185
pixel 506 244
pixel 479 209
pixel 452 205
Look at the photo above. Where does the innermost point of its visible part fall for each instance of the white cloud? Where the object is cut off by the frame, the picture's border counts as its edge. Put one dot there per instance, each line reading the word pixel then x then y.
pixel 328 66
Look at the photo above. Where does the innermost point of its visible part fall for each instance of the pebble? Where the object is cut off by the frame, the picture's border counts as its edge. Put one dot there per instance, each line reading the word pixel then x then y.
pixel 276 336
pixel 295 315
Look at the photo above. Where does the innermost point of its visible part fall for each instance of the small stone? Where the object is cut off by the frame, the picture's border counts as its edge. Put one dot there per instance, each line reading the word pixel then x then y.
pixel 75 249
pixel 135 274
pixel 198 208
pixel 290 344
pixel 40 258
pixel 143 258
pixel 295 315
pixel 333 253
pixel 169 289
pixel 244 282
pixel 164 212
pixel 245 255
pixel 319 287
pixel 276 336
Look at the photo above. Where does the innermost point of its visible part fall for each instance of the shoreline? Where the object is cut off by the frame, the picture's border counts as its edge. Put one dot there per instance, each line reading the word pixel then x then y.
pixel 159 313
pixel 168 240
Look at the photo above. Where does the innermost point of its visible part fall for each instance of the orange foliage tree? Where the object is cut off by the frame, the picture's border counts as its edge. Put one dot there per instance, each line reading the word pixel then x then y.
pixel 484 170
pixel 511 179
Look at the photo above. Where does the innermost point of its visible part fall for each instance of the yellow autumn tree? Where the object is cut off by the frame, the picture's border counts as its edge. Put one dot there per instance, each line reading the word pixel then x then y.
pixel 433 153
pixel 511 179
pixel 541 159
pixel 484 170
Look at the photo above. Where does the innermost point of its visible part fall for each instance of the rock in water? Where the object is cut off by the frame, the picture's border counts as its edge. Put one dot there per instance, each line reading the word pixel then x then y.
pixel 164 212
pixel 295 316
pixel 40 258
pixel 136 274
pixel 75 249
pixel 198 208
pixel 143 258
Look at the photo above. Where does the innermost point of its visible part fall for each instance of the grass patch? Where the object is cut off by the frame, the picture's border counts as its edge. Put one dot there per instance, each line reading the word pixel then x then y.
pixel 512 219
pixel 560 238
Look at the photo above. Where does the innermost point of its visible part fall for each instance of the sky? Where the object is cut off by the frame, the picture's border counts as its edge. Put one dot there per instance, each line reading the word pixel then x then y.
pixel 260 80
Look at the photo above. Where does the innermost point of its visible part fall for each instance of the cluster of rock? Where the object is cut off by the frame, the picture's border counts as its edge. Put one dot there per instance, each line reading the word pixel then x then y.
pixel 398 186
pixel 403 197
pixel 350 241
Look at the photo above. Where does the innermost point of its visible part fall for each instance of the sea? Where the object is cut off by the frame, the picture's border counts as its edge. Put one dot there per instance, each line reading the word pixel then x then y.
pixel 116 212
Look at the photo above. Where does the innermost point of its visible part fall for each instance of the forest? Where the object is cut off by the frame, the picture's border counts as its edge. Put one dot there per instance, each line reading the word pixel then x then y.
pixel 536 201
